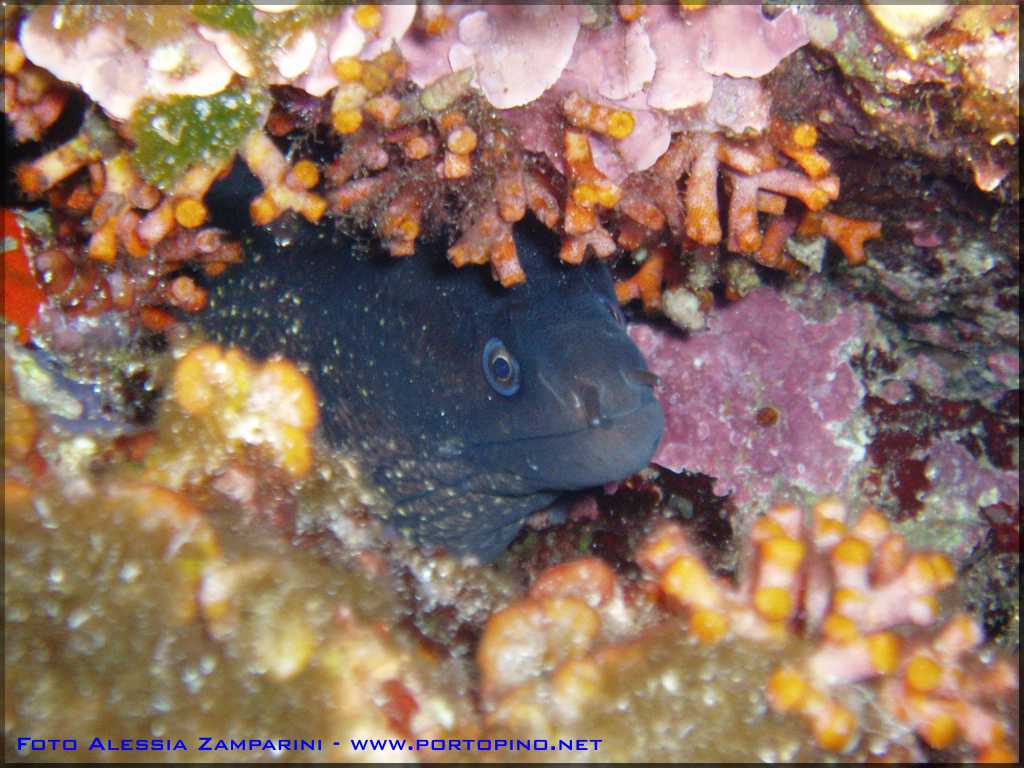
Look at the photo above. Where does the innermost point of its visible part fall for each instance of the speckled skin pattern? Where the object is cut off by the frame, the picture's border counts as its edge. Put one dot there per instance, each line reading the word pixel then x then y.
pixel 395 346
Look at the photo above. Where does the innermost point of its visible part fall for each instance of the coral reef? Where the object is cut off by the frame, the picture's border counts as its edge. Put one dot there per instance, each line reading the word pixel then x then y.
pixel 943 85
pixel 407 121
pixel 824 611
pixel 821 201
pixel 853 583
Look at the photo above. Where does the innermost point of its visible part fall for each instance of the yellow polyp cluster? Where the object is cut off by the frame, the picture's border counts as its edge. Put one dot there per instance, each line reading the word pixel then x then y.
pixel 784 552
pixel 262 211
pixel 347 120
pixel 940 731
pixel 786 689
pixel 852 551
pixel 607 121
pixel 834 725
pixel 922 674
pixel 689 581
pixel 804 135
pixel 349 69
pixel 190 213
pixel 709 626
pixel 849 586
pixel 884 652
pixel 273 404
pixel 773 603
pixel 604 194
pixel 367 16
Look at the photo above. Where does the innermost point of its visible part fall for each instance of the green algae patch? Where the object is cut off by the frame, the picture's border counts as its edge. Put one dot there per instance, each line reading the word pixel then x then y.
pixel 171 136
pixel 240 19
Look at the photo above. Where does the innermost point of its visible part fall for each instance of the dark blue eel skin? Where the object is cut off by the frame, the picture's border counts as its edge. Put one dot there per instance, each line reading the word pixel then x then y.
pixel 469 406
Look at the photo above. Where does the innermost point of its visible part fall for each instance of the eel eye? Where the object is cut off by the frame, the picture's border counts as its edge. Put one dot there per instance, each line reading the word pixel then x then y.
pixel 500 369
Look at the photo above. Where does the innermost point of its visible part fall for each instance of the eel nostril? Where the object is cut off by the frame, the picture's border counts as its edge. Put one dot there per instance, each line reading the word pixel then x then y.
pixel 642 377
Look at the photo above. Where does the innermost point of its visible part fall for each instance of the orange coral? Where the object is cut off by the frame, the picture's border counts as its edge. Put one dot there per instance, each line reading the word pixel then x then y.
pixel 645 284
pixel 848 234
pixel 855 584
pixel 583 113
pixel 273 404
pixel 559 621
pixel 272 169
pixel 757 183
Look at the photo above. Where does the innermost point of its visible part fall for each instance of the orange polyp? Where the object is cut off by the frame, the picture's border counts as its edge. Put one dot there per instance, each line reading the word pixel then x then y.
pixel 851 551
pixel 709 625
pixel 630 11
pixel 884 651
pixel 997 753
pixel 784 552
pixel 839 629
pixel 190 213
pixel 940 731
pixel 923 674
pixel 773 603
pixel 836 728
pixel 262 210
pixel 943 570
pixel 688 581
pixel 786 690
pixel 306 173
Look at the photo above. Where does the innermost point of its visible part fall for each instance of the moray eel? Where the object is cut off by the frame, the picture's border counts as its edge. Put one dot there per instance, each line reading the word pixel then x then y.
pixel 469 406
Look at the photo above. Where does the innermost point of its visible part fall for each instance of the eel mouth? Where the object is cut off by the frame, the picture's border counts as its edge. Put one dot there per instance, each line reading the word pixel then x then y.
pixel 604 450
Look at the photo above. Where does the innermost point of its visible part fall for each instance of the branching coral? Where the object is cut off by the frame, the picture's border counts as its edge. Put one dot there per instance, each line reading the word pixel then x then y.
pixel 841 616
pixel 617 88
pixel 854 583
pixel 758 183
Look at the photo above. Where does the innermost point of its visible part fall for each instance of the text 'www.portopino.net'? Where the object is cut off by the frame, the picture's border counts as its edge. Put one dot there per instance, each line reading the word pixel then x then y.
pixel 476 745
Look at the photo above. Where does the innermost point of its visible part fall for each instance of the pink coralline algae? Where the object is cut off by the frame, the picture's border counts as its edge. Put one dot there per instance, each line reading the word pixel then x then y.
pixel 673 70
pixel 961 485
pixel 669 70
pixel 761 400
